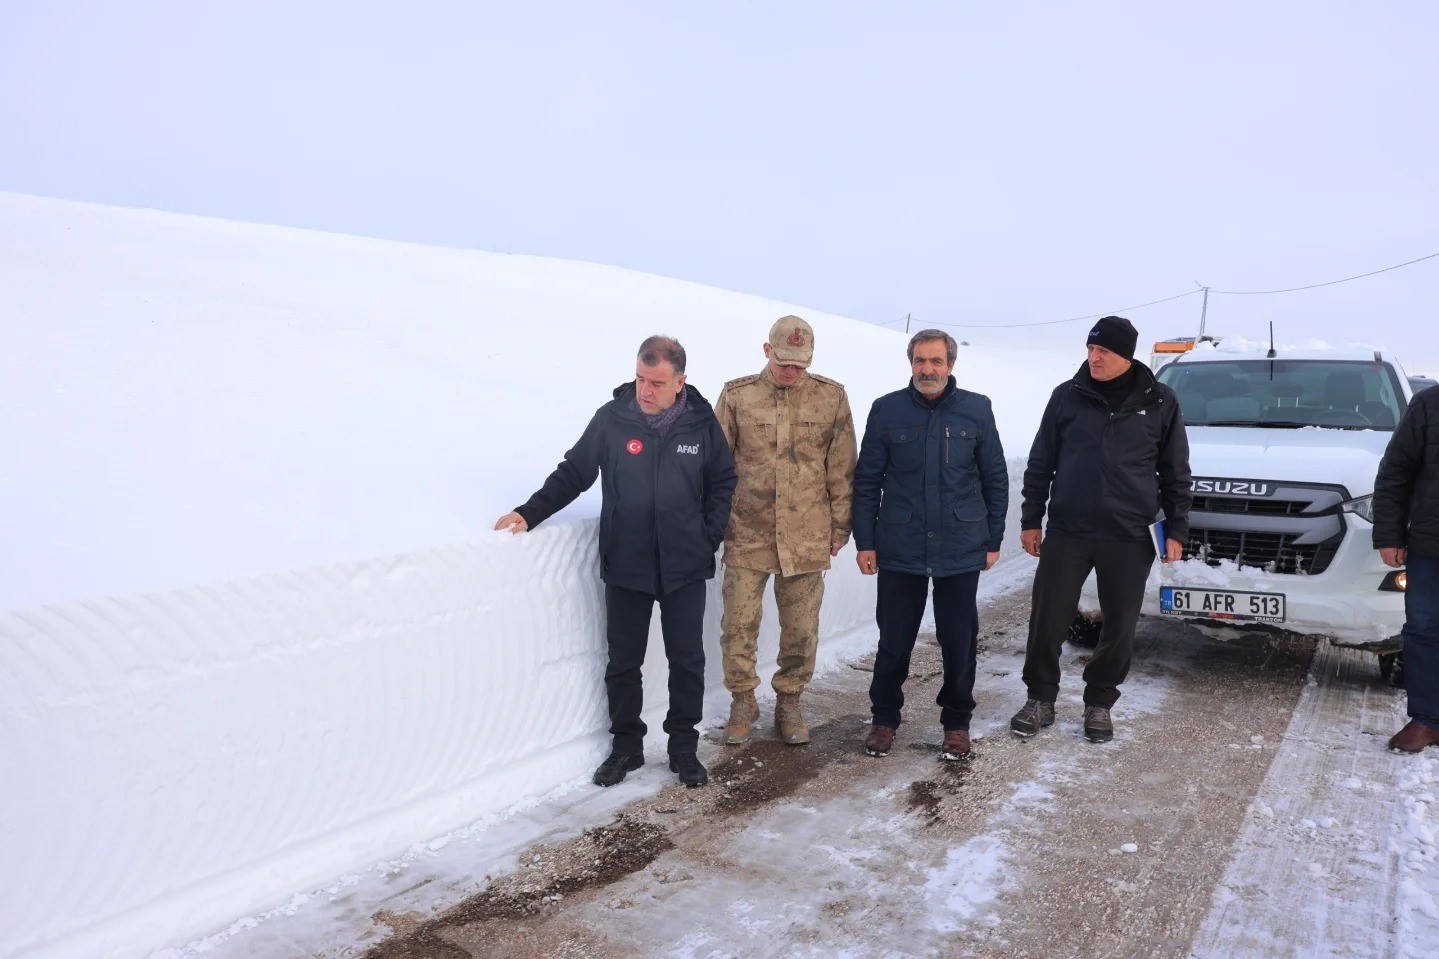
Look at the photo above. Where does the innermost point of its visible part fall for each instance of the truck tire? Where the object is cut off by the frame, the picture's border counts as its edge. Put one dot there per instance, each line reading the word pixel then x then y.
pixel 1083 632
pixel 1391 668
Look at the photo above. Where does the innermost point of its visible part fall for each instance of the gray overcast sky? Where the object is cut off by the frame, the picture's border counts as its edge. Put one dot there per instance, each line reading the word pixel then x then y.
pixel 967 162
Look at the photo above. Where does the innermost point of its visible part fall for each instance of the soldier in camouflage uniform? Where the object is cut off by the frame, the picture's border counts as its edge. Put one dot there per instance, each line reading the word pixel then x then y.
pixel 794 446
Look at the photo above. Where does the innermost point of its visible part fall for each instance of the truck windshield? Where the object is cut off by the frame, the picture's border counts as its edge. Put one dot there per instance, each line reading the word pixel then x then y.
pixel 1334 394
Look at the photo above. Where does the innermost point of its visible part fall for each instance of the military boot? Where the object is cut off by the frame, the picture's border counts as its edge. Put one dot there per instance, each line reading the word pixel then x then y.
pixel 742 714
pixel 788 721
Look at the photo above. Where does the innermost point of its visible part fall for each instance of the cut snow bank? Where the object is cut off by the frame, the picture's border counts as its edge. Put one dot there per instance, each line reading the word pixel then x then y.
pixel 186 757
pixel 254 628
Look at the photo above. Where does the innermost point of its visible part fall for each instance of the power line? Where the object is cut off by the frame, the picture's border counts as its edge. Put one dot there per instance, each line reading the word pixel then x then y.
pixel 1167 299
pixel 1315 286
pixel 1072 319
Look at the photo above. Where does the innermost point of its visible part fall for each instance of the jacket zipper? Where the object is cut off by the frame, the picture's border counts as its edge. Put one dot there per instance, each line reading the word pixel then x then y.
pixel 659 559
pixel 1115 414
pixel 946 443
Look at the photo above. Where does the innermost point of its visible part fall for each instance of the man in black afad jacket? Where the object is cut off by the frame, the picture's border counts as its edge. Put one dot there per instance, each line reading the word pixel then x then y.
pixel 668 478
pixel 1406 533
pixel 1110 455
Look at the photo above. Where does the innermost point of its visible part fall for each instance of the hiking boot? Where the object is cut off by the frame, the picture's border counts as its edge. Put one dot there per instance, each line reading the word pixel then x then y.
pixel 1414 737
pixel 787 720
pixel 1098 728
pixel 691 771
pixel 1032 718
pixel 742 714
pixel 613 769
pixel 956 744
pixel 879 741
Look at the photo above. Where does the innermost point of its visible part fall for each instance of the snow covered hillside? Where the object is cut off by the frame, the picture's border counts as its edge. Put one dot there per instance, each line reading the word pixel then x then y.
pixel 191 399
pixel 254 627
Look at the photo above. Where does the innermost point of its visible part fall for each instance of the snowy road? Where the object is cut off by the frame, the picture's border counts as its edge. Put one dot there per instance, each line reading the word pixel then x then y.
pixel 1247 808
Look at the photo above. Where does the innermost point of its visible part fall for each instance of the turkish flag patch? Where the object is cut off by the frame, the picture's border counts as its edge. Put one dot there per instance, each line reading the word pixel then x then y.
pixel 634 447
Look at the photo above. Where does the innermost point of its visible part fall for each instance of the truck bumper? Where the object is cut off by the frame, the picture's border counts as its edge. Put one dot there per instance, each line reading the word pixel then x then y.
pixel 1343 603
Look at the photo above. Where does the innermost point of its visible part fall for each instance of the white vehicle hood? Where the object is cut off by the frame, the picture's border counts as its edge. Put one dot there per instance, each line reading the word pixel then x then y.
pixel 1348 458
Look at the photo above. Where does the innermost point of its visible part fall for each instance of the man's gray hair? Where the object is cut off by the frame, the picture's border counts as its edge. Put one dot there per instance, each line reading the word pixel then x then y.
pixel 926 336
pixel 663 349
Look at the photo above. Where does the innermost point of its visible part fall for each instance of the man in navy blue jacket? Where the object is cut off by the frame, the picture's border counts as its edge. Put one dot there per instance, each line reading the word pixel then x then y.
pixel 931 491
pixel 668 479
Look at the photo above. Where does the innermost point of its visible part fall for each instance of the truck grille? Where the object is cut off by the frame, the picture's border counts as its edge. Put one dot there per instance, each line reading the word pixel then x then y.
pixel 1253 507
pixel 1296 528
pixel 1275 552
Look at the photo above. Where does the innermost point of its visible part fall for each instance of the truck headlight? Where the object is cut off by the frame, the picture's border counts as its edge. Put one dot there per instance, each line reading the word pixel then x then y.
pixel 1363 507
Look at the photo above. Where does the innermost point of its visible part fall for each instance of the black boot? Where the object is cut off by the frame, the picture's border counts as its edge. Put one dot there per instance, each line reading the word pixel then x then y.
pixel 691 771
pixel 613 769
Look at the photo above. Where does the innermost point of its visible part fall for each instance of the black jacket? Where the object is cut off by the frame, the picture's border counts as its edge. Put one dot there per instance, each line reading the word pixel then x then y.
pixel 1406 491
pixel 665 502
pixel 931 488
pixel 1107 475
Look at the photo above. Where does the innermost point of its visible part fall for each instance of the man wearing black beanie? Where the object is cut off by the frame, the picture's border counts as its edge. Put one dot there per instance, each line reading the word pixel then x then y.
pixel 1111 454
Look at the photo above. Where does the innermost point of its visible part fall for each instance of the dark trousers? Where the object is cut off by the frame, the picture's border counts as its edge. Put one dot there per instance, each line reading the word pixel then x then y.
pixel 899 611
pixel 627 618
pixel 1421 639
pixel 1065 562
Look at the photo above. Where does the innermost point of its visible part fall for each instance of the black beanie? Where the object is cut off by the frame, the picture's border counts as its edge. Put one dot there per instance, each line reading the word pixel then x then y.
pixel 1115 334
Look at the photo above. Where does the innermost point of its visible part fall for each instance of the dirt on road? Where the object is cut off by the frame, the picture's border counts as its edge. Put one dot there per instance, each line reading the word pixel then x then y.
pixel 1047 847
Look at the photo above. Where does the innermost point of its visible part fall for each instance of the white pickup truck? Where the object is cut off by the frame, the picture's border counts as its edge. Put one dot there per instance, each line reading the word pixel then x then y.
pixel 1284 447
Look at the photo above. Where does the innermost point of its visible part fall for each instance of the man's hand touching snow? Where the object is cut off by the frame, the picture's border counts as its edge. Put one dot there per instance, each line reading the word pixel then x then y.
pixel 513 522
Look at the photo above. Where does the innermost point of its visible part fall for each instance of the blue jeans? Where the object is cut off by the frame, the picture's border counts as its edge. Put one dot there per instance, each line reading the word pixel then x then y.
pixel 899 611
pixel 1421 639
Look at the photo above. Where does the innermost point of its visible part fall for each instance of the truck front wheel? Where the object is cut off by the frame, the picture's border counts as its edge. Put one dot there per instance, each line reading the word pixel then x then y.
pixel 1391 668
pixel 1084 632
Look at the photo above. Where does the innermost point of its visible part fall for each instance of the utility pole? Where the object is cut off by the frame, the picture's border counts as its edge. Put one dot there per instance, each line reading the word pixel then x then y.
pixel 906 322
pixel 1203 313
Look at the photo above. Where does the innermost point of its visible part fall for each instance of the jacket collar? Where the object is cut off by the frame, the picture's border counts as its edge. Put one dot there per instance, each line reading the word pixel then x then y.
pixel 1145 393
pixel 625 404
pixel 767 377
pixel 951 388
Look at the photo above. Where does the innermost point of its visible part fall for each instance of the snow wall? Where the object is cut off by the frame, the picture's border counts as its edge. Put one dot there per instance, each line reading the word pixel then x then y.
pixel 192 756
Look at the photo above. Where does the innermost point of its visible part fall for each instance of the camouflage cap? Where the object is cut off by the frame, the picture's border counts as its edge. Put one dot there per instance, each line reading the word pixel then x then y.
pixel 792 341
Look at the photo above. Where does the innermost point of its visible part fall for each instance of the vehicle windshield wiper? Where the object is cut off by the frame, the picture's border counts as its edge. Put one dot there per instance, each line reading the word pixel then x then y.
pixel 1230 423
